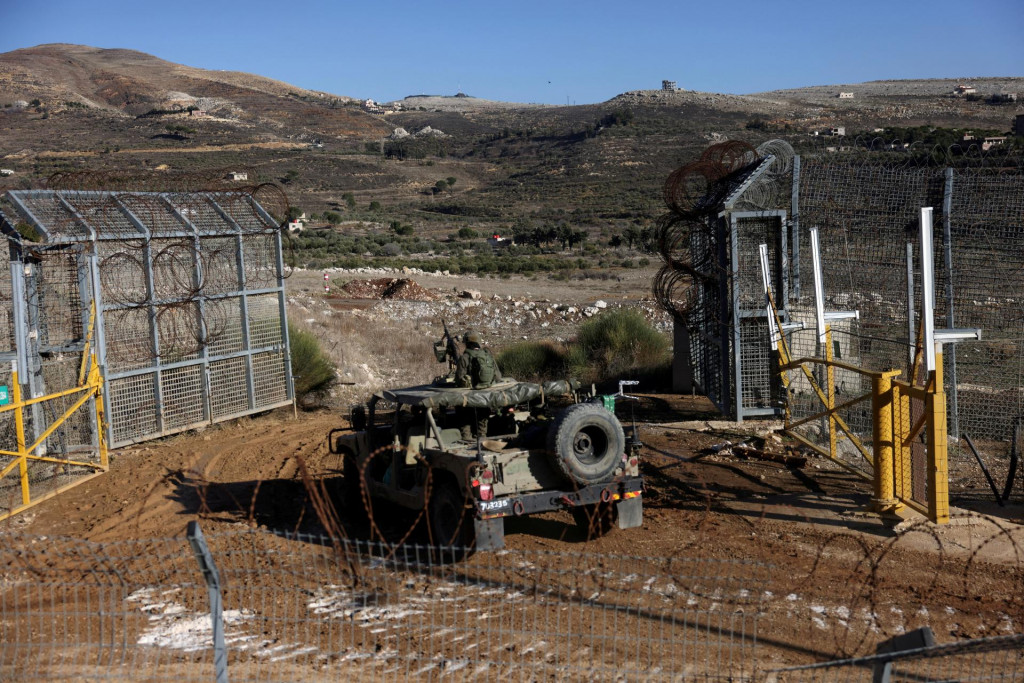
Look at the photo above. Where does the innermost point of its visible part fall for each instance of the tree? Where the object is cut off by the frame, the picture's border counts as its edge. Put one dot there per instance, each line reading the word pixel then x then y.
pixel 290 175
pixel 399 229
pixel 332 217
pixel 350 200
pixel 451 181
pixel 467 233
pixel 375 205
pixel 631 235
pixel 294 212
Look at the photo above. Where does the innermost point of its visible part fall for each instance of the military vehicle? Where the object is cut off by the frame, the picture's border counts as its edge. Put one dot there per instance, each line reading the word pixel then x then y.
pixel 548 447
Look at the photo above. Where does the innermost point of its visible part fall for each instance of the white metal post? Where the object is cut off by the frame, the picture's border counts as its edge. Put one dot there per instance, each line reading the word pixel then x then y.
pixel 766 279
pixel 928 288
pixel 819 289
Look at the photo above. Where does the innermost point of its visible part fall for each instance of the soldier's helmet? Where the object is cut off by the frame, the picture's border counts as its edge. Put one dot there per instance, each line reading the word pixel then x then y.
pixel 471 337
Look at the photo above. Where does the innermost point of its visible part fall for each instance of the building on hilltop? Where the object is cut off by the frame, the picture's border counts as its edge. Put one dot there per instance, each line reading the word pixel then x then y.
pixel 669 86
pixel 989 143
pixel 845 95
pixel 963 89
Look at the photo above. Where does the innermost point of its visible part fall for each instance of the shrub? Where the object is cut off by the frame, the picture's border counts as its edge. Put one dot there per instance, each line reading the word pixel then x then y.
pixel 312 369
pixel 533 360
pixel 617 344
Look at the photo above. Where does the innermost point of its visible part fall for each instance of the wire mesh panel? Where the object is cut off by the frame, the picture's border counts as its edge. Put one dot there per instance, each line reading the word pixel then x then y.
pixel 122 267
pixel 174 269
pixel 133 403
pixel 260 254
pixel 7 343
pixel 129 339
pixel 264 321
pixel 268 375
pixel 183 393
pixel 760 378
pixel 179 331
pixel 987 234
pixel 56 216
pixel 230 376
pixel 516 616
pixel 753 230
pixel 154 212
pixel 223 321
pixel 705 317
pixel 219 258
pixel 56 309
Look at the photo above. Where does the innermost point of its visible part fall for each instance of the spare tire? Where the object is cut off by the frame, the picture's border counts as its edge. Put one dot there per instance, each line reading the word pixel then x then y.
pixel 586 443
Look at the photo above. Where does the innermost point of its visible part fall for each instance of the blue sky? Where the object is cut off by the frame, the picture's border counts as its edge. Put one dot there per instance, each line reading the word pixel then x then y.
pixel 551 52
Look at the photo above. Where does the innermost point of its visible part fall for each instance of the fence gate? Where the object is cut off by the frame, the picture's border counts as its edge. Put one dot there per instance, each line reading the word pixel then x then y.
pixel 756 387
pixel 50 435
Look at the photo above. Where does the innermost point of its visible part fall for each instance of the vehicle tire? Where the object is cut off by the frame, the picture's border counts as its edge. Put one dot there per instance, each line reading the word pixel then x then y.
pixel 451 527
pixel 595 520
pixel 586 443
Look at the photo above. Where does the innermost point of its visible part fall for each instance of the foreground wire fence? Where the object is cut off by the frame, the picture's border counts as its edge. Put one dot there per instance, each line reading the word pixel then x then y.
pixel 1000 658
pixel 302 608
pixel 250 605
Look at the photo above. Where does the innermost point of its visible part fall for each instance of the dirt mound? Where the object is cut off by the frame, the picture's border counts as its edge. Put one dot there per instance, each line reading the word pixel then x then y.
pixel 387 288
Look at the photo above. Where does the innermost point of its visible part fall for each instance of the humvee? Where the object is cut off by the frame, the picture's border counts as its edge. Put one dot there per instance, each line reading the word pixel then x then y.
pixel 406 448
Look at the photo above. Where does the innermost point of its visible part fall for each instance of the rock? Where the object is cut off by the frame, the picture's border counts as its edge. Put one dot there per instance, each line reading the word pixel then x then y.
pixel 591 311
pixel 600 304
pixel 470 294
pixel 399 133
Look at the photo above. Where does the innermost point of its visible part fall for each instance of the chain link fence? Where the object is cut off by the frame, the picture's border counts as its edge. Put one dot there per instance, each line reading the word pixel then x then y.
pixel 865 204
pixel 866 210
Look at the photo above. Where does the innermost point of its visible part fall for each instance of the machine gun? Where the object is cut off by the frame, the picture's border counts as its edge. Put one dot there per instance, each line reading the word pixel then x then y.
pixel 446 350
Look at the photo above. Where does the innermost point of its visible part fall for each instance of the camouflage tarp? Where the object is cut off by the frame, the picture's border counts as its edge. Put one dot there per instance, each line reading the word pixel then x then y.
pixel 501 395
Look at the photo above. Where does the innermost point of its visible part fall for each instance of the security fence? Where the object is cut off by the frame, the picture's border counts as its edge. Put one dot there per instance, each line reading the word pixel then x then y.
pixel 866 212
pixel 865 205
pixel 251 605
pixel 258 606
pixel 179 295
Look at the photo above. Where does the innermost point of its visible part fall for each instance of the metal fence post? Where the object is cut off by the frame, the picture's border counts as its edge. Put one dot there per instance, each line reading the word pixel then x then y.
pixel 212 577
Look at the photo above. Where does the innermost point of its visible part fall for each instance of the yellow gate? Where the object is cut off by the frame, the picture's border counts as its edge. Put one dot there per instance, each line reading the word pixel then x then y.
pixel 29 474
pixel 906 458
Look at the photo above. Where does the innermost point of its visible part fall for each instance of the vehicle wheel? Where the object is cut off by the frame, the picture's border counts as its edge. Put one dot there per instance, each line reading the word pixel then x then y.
pixel 451 527
pixel 595 520
pixel 586 443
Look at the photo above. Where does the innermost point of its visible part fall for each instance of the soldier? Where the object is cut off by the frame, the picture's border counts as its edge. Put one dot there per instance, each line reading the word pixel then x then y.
pixel 476 369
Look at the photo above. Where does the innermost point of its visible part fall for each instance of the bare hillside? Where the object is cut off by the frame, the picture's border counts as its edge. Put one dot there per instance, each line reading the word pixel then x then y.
pixel 126 82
